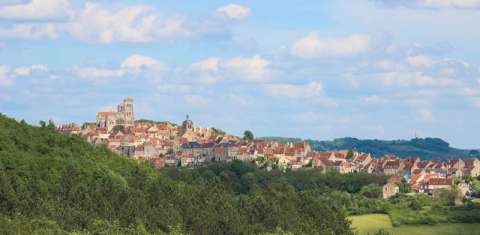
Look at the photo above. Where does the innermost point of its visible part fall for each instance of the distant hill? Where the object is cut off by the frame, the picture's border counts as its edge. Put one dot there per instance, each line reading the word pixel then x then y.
pixel 426 148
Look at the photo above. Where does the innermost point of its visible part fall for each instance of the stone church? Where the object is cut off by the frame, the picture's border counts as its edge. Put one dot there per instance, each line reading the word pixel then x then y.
pixel 123 117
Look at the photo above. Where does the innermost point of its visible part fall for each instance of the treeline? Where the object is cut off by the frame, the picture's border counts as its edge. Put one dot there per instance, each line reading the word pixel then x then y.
pixel 426 148
pixel 51 183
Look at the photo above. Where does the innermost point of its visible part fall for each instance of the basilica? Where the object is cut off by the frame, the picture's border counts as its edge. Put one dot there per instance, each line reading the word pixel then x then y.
pixel 123 117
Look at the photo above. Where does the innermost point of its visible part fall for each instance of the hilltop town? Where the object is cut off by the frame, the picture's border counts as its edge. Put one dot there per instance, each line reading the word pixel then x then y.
pixel 168 144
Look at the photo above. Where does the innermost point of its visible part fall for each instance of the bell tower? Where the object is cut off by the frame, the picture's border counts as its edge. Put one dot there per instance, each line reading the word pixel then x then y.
pixel 128 111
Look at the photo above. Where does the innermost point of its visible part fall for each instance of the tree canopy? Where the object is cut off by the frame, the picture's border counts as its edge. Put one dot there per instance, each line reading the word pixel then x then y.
pixel 248 135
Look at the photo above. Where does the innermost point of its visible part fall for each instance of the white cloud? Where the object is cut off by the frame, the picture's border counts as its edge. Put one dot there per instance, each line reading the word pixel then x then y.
pixel 425 115
pixel 449 3
pixel 374 99
pixel 437 4
pixel 176 88
pixel 134 64
pixel 93 72
pixel 234 11
pixel 208 65
pixel 22 71
pixel 417 101
pixel 4 75
pixel 197 101
pixel 36 10
pixel 137 62
pixel 30 31
pixel 8 73
pixel 96 23
pixel 471 91
pixel 420 79
pixel 240 99
pixel 251 69
pixel 315 46
pixel 476 103
pixel 388 65
pixel 314 117
pixel 420 60
pixel 207 71
pixel 312 89
pixel 130 24
pixel 27 70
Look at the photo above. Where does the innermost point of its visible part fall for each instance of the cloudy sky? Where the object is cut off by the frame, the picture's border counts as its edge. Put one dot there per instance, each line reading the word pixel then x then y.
pixel 385 69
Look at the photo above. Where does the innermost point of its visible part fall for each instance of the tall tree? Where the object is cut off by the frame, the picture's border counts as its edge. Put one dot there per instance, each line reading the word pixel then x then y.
pixel 248 135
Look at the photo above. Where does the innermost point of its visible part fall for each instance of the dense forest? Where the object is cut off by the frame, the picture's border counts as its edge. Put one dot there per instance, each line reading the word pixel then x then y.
pixel 52 183
pixel 426 148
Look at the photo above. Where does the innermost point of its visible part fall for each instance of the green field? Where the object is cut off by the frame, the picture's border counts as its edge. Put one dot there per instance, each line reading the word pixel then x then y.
pixel 369 224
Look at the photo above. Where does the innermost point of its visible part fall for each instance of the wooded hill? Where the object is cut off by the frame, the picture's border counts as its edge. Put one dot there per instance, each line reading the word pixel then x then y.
pixel 426 148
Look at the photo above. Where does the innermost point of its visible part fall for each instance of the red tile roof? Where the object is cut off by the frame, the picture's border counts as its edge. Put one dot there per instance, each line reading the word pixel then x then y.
pixel 440 181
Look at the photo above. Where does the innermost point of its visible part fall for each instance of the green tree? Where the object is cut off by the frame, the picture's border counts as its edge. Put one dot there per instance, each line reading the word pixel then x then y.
pixel 382 232
pixel 372 191
pixel 349 154
pixel 476 188
pixel 218 132
pixel 404 187
pixel 248 135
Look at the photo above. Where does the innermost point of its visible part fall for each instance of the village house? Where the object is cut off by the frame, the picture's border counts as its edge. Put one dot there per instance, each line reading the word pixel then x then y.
pixel 472 167
pixel 390 189
pixel 392 167
pixel 343 167
pixel 437 183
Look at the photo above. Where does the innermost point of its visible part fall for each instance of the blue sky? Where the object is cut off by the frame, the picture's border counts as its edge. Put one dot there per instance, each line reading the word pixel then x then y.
pixel 312 69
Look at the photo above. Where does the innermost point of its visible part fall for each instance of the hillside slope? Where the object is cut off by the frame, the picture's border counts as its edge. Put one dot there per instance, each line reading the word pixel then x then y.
pixel 426 148
pixel 51 183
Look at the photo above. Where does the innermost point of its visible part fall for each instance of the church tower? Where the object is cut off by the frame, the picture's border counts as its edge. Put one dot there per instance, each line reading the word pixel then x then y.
pixel 128 111
pixel 187 126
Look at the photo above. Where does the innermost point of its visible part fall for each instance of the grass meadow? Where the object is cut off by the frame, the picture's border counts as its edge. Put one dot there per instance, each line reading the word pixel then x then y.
pixel 369 224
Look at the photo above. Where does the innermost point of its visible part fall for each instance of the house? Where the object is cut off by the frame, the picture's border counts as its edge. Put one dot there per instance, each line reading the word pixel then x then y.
pixel 472 167
pixel 193 148
pixel 343 167
pixel 147 151
pixel 152 132
pixel 456 167
pixel 337 156
pixel 416 179
pixel 390 189
pixel 361 160
pixel 187 161
pixel 437 183
pixel 322 163
pixel 159 162
pixel 220 153
pixel 71 128
pixel 457 164
pixel 171 161
pixel 392 167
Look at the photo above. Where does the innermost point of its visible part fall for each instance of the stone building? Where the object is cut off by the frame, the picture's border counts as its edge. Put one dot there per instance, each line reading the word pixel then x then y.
pixel 187 130
pixel 123 117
